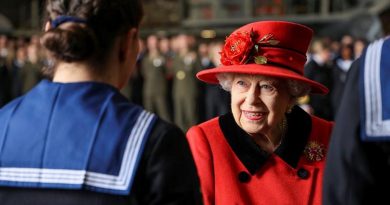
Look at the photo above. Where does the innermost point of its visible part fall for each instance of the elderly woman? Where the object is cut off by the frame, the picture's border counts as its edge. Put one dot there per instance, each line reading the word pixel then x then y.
pixel 267 150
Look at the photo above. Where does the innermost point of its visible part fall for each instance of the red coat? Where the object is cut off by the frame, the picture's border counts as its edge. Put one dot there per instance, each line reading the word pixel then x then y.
pixel 226 180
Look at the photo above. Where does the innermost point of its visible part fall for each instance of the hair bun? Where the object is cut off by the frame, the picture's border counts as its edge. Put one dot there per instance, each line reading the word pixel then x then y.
pixel 74 42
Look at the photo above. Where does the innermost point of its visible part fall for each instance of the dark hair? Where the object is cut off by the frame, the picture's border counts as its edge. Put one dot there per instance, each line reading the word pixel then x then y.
pixel 385 19
pixel 105 20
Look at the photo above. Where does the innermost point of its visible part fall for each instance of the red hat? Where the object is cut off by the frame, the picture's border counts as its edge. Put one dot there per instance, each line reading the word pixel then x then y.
pixel 270 48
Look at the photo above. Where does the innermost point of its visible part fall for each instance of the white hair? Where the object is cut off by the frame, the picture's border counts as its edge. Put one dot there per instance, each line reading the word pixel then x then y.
pixel 295 88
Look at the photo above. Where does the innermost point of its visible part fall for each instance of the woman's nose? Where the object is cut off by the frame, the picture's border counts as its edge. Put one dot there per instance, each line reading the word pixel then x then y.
pixel 253 95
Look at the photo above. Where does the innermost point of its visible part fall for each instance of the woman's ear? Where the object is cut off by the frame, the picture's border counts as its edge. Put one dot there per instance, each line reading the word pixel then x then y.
pixel 126 52
pixel 129 45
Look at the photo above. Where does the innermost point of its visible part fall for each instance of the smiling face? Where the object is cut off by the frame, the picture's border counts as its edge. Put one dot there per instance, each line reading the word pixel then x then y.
pixel 259 103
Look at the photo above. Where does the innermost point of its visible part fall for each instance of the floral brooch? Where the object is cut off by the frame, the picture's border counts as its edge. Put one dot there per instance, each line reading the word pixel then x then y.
pixel 314 151
pixel 241 48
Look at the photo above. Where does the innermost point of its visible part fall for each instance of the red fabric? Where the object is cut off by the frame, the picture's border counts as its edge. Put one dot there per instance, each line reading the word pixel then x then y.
pixel 275 183
pixel 282 44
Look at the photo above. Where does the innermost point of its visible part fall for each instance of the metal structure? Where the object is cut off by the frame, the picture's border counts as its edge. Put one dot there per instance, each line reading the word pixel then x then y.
pixel 217 18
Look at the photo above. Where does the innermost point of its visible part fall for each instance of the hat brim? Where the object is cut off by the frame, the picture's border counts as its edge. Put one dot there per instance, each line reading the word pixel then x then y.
pixel 209 75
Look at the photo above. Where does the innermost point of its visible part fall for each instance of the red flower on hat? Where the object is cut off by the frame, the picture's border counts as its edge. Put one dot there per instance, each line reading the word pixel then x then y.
pixel 237 48
pixel 241 47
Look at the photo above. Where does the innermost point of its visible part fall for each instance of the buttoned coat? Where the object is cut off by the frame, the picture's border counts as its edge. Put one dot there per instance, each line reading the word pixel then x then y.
pixel 234 170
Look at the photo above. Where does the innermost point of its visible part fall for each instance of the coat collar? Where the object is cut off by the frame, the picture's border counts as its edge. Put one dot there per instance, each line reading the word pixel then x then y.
pixel 252 156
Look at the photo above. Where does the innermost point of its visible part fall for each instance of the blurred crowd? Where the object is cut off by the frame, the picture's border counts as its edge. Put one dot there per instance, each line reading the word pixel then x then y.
pixel 165 81
pixel 328 63
pixel 21 60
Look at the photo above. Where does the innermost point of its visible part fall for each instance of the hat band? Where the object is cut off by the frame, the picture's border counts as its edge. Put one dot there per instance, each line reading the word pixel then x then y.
pixel 287 58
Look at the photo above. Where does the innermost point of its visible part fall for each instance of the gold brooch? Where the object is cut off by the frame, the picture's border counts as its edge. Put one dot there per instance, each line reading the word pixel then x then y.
pixel 314 151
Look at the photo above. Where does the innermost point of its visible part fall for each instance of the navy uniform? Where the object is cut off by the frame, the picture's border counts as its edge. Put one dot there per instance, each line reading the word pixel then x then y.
pixel 358 166
pixel 84 143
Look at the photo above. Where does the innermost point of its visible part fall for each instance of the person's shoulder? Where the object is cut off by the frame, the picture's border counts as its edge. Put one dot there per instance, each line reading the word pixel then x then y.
pixel 164 132
pixel 212 123
pixel 6 113
pixel 322 122
pixel 163 127
pixel 11 105
pixel 321 130
pixel 205 129
pixel 322 125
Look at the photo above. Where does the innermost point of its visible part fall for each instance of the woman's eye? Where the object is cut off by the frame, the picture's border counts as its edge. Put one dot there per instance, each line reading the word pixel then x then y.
pixel 267 88
pixel 241 83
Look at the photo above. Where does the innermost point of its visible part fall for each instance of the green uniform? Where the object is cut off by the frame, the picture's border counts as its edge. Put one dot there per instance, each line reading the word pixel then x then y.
pixel 185 90
pixel 30 75
pixel 155 86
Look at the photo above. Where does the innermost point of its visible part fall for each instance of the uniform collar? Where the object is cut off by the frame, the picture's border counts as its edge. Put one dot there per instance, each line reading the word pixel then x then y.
pixel 83 135
pixel 252 156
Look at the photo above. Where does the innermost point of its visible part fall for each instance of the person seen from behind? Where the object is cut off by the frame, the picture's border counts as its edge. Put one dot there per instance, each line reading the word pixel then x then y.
pixel 358 166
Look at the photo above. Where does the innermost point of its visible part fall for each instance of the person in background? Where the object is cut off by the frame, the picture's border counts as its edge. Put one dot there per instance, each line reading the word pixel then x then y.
pixel 31 71
pixel 166 51
pixel 339 72
pixel 346 40
pixel 17 72
pixel 8 50
pixel 75 139
pixel 266 150
pixel 35 42
pixel 133 90
pixel 155 89
pixel 4 52
pixel 5 78
pixel 334 49
pixel 319 70
pixel 5 82
pixel 357 170
pixel 185 86
pixel 358 47
pixel 217 100
pixel 205 63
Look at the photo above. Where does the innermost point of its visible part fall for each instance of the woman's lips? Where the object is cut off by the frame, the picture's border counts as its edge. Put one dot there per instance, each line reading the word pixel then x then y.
pixel 251 115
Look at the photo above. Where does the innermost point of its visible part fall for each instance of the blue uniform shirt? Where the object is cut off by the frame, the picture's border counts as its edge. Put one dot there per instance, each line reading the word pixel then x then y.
pixel 74 136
